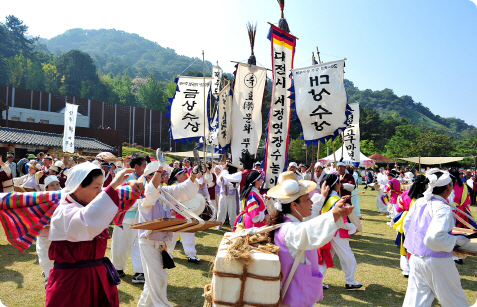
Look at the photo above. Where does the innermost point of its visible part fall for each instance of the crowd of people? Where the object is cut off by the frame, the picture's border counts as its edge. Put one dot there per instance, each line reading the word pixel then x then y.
pixel 318 204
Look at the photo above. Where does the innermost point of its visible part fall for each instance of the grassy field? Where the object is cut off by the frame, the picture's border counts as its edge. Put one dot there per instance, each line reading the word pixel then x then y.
pixel 21 283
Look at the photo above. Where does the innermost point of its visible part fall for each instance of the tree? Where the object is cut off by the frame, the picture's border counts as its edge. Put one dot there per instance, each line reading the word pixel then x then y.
pixel 367 147
pixel 76 67
pixel 151 95
pixel 403 143
pixel 17 30
pixel 51 77
pixel 15 66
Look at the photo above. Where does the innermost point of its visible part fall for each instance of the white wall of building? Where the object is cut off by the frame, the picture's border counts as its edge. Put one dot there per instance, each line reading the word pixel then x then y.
pixel 54 118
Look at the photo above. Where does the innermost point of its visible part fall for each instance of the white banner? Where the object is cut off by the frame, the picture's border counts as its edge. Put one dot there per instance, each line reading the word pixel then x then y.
pixel 283 45
pixel 187 109
pixel 247 100
pixel 351 134
pixel 217 75
pixel 212 139
pixel 224 108
pixel 71 111
pixel 320 99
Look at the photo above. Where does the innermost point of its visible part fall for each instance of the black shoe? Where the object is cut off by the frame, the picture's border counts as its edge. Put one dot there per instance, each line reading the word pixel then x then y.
pixel 121 273
pixel 326 287
pixel 406 276
pixel 459 261
pixel 348 286
pixel 138 278
pixel 193 259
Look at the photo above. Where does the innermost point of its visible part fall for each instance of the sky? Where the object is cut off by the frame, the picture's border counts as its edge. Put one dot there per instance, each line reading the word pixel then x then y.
pixel 422 48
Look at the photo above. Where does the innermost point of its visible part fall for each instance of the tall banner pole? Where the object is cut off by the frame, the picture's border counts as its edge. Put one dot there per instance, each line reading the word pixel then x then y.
pixel 204 143
pixel 278 129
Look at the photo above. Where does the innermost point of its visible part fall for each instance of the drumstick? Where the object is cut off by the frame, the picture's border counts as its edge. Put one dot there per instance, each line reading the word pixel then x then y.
pixel 457 209
pixel 464 222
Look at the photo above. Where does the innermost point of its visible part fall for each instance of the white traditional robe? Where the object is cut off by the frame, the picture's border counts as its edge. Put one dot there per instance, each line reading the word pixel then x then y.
pixel 155 288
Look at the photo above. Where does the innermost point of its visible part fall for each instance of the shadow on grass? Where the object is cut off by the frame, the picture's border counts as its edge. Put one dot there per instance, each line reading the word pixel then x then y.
pixel 185 296
pixel 125 297
pixel 128 280
pixel 8 256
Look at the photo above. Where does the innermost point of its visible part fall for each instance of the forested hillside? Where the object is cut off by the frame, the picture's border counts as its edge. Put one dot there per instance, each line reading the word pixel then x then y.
pixel 115 51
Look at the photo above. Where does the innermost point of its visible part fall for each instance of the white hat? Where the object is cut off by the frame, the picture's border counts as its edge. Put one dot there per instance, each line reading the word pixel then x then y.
pixel 55 168
pixel 290 188
pixel 151 168
pixel 38 166
pixel 59 164
pixel 340 164
pixel 76 175
pixel 50 179
pixel 293 164
pixel 318 164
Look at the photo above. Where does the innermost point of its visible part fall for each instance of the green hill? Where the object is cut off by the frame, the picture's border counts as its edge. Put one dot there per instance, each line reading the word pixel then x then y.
pixel 389 104
pixel 115 51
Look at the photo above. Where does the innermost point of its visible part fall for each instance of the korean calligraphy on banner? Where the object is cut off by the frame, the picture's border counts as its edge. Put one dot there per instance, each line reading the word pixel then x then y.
pixel 276 148
pixel 247 110
pixel 71 110
pixel 217 75
pixel 351 134
pixel 224 108
pixel 187 109
pixel 320 100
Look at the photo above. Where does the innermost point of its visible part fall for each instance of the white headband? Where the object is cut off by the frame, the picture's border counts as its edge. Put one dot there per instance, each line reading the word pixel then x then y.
pixel 442 181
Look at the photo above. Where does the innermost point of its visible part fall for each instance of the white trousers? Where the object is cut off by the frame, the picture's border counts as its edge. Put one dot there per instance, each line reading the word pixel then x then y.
pixel 125 242
pixel 42 246
pixel 404 263
pixel 154 292
pixel 379 204
pixel 430 277
pixel 340 247
pixel 188 243
pixel 227 204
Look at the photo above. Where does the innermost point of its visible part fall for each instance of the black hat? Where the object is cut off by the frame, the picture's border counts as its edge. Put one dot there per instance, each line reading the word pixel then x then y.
pixel 174 174
pixel 393 173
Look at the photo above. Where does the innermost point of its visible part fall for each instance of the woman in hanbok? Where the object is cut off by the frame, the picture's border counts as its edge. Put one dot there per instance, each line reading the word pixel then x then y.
pixel 29 180
pixel 81 275
pixel 253 215
pixel 301 236
pixel 42 242
pixel 339 244
pixel 405 202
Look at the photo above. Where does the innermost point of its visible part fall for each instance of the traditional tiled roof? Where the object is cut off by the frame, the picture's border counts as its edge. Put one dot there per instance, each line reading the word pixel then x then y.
pixel 30 137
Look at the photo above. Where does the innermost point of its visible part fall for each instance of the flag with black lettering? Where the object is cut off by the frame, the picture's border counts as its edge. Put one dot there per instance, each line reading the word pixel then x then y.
pixel 278 128
pixel 246 115
pixel 217 76
pixel 187 114
pixel 71 111
pixel 320 100
pixel 224 109
pixel 351 134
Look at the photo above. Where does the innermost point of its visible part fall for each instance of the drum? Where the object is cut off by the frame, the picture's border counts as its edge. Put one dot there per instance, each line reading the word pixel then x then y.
pixel 196 204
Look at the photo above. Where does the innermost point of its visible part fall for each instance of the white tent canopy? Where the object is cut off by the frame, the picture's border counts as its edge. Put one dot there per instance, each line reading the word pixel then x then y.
pixel 346 158
pixel 432 160
pixel 190 154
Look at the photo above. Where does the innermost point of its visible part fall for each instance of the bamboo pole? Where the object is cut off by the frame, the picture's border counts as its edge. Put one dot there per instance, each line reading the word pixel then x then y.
pixel 318 54
pixel 318 152
pixel 419 164
pixel 205 104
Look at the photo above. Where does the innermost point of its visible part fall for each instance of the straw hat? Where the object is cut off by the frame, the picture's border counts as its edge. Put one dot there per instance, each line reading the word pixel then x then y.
pixel 290 188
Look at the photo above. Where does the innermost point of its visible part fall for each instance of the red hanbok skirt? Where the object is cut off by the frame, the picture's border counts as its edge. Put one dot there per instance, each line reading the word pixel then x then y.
pixel 80 286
